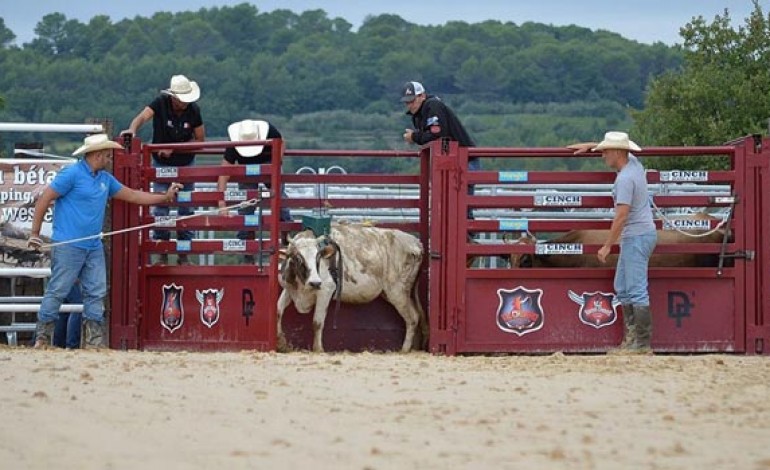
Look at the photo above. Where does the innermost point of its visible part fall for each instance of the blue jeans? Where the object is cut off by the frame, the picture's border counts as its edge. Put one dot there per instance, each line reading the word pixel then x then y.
pixel 631 274
pixel 68 264
pixel 162 211
pixel 66 332
pixel 250 210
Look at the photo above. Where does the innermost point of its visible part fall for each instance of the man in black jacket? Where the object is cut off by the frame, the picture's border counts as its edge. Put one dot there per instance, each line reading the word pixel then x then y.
pixel 432 120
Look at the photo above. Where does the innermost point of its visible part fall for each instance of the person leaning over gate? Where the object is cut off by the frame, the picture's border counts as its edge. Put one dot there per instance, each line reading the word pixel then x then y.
pixel 633 225
pixel 176 118
pixel 246 130
pixel 432 119
pixel 79 194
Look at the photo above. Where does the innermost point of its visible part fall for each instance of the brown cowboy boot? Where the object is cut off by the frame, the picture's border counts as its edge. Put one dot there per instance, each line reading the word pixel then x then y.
pixel 43 334
pixel 643 322
pixel 94 334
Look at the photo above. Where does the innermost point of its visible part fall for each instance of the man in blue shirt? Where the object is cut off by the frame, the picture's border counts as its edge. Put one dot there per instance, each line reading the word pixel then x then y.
pixel 80 193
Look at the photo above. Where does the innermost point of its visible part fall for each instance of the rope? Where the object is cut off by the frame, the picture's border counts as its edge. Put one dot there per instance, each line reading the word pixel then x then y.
pixel 102 235
pixel 666 220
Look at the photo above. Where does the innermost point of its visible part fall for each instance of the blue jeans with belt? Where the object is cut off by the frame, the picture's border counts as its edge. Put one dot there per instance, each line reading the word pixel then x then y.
pixel 68 264
pixel 631 285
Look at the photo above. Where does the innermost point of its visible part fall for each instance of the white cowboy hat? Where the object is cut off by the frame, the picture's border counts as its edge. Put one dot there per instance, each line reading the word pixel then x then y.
pixel 248 130
pixel 95 142
pixel 617 140
pixel 185 90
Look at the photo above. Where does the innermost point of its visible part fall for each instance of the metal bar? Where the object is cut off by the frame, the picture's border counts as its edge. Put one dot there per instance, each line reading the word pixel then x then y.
pixel 34 308
pixel 41 127
pixel 25 272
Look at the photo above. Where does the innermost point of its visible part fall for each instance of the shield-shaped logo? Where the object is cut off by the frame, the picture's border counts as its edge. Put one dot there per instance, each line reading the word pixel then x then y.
pixel 209 300
pixel 520 311
pixel 597 309
pixel 172 310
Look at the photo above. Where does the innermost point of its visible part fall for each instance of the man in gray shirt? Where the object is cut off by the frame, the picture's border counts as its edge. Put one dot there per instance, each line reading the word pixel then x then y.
pixel 634 228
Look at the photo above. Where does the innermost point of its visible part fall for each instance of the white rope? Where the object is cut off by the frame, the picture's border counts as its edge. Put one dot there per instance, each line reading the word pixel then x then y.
pixel 101 235
pixel 668 221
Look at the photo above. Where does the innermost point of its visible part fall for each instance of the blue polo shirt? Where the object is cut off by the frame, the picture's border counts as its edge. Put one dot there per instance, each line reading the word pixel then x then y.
pixel 79 209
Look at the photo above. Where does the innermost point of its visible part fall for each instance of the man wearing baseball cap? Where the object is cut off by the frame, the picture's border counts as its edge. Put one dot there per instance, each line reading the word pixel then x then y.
pixel 432 119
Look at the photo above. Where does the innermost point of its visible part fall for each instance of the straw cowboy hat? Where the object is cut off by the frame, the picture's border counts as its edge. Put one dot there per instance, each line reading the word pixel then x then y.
pixel 95 142
pixel 183 89
pixel 248 130
pixel 617 140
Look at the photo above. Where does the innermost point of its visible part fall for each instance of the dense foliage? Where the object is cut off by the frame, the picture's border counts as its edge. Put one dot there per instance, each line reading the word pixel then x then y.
pixel 722 91
pixel 327 85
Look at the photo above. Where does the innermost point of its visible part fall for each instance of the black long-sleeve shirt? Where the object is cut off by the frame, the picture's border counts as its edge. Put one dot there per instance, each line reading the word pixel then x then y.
pixel 435 120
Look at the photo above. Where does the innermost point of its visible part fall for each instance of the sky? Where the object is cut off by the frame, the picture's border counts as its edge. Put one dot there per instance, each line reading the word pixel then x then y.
pixel 646 21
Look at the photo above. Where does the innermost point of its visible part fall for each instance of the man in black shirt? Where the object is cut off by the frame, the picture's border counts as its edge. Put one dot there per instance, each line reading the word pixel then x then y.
pixel 249 155
pixel 175 119
pixel 432 119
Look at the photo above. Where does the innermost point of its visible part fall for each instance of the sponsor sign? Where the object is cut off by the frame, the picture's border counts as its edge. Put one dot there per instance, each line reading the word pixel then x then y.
pixel 597 309
pixel 519 311
pixel 22 181
pixel 683 176
pixel 209 300
pixel 559 249
pixel 687 224
pixel 233 245
pixel 172 308
pixel 166 172
pixel 521 225
pixel 561 200
pixel 235 195
pixel 513 176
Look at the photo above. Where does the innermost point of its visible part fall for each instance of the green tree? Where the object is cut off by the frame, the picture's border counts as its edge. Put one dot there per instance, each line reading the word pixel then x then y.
pixel 6 35
pixel 722 91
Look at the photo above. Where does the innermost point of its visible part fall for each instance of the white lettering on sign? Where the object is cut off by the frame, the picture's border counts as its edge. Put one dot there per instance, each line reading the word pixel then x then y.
pixel 234 195
pixel 165 221
pixel 684 175
pixel 559 200
pixel 559 249
pixel 233 245
pixel 687 224
pixel 166 172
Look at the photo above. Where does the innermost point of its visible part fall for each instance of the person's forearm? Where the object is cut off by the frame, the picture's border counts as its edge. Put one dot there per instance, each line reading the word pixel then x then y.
pixel 616 228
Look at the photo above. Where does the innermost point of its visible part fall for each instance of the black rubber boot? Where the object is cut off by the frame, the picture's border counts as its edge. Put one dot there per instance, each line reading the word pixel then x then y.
pixel 643 322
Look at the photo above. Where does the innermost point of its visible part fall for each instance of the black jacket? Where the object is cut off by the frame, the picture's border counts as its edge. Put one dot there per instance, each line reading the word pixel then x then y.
pixel 435 120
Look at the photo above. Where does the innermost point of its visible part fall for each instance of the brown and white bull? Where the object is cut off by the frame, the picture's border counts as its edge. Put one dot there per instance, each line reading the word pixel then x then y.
pixel 374 262
pixel 598 237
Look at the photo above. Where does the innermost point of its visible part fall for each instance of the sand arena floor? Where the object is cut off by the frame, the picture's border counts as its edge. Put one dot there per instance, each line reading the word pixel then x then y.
pixel 147 410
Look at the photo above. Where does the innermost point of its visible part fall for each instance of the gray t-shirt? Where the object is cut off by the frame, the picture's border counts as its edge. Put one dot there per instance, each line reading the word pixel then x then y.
pixel 630 188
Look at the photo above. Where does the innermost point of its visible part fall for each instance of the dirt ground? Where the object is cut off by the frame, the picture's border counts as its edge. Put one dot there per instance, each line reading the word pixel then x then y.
pixel 128 410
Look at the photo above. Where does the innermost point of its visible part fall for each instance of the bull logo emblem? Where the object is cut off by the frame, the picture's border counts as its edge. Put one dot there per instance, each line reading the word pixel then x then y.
pixel 209 300
pixel 172 309
pixel 520 311
pixel 597 309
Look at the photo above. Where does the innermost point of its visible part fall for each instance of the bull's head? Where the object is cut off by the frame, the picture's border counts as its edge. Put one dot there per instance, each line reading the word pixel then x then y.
pixel 302 259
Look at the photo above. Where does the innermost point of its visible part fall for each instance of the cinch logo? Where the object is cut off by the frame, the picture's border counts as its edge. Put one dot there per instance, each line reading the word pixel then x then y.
pixel 234 245
pixel 559 249
pixel 685 224
pixel 679 306
pixel 166 172
pixel 558 200
pixel 684 175
pixel 235 195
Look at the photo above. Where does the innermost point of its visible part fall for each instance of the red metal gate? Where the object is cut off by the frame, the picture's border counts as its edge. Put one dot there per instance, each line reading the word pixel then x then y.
pixel 695 309
pixel 246 295
pixel 195 307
